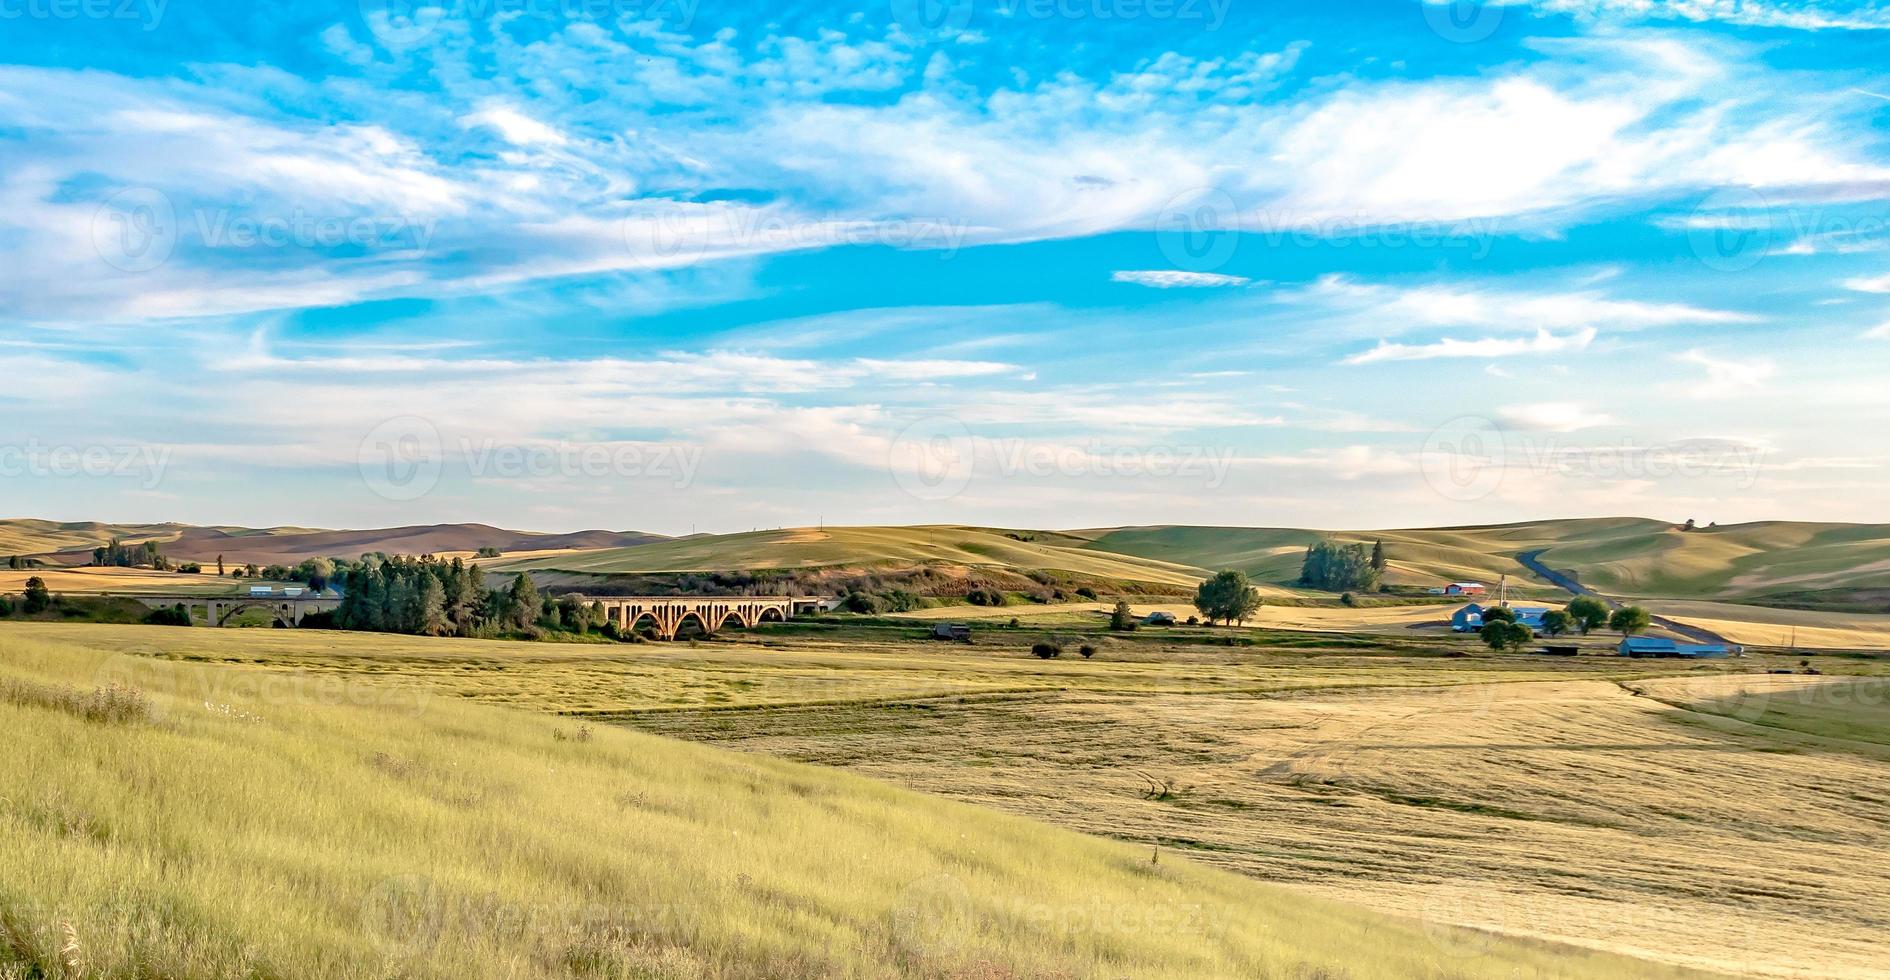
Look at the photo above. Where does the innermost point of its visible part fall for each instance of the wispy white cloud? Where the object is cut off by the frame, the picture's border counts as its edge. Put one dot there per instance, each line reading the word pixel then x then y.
pixel 1543 342
pixel 1172 278
pixel 1553 417
pixel 1728 377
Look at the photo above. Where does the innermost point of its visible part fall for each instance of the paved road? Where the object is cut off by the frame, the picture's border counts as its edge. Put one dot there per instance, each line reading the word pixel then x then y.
pixel 1568 582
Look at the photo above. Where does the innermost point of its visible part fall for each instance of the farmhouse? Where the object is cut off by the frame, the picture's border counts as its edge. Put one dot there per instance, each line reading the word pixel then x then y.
pixel 1469 619
pixel 1159 618
pixel 1652 646
pixel 1465 588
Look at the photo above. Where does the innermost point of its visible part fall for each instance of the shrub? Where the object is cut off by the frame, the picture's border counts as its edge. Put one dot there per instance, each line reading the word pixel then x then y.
pixel 114 703
pixel 1121 619
pixel 987 597
pixel 1087 651
pixel 175 615
pixel 1348 599
pixel 1046 650
pixel 38 597
pixel 862 602
pixel 6 606
pixel 1087 593
pixel 1014 623
pixel 1194 620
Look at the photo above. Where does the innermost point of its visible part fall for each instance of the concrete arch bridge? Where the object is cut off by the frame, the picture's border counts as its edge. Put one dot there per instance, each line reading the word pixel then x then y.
pixel 667 615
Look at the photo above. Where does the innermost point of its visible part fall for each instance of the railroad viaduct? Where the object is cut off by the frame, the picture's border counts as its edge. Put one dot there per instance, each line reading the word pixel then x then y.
pixel 666 615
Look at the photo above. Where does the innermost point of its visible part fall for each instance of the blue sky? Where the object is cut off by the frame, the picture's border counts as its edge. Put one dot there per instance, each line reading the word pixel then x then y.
pixel 687 265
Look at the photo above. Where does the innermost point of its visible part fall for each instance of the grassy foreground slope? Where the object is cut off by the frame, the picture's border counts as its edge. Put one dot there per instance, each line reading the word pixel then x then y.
pixel 288 828
pixel 806 547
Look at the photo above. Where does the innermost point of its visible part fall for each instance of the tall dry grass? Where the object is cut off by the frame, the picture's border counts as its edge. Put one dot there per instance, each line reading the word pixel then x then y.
pixel 314 834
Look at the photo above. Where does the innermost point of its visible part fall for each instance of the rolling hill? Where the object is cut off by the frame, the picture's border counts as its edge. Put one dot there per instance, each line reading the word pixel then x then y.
pixel 390 832
pixel 1842 567
pixel 870 547
pixel 72 544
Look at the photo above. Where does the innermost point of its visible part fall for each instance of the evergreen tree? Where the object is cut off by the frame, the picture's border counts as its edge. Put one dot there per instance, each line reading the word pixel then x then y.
pixel 1378 557
pixel 526 605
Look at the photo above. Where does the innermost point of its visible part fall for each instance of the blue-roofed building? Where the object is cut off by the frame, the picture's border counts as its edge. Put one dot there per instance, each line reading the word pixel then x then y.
pixel 1653 646
pixel 1530 616
pixel 1469 619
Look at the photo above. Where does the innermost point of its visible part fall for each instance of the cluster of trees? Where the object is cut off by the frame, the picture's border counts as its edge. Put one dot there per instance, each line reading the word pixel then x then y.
pixel 424 596
pixel 1342 567
pixel 428 596
pixel 1227 597
pixel 1584 614
pixel 118 554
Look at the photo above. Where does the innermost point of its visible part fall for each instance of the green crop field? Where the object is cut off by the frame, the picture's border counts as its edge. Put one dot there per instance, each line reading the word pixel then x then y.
pixel 235 818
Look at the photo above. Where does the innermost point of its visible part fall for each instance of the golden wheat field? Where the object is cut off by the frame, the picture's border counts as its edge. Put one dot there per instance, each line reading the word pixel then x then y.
pixel 1693 815
pixel 161 817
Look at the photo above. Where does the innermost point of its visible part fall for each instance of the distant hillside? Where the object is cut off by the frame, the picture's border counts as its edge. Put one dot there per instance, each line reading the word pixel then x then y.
pixel 809 548
pixel 1840 565
pixel 1835 566
pixel 67 544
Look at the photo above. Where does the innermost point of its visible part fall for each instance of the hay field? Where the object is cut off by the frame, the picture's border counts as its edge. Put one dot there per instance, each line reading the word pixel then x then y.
pixel 1527 795
pixel 1782 627
pixel 124 581
pixel 350 829
pixel 1392 619
pixel 808 547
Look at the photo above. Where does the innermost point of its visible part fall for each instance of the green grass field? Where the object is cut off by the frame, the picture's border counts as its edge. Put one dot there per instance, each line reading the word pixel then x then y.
pixel 250 819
